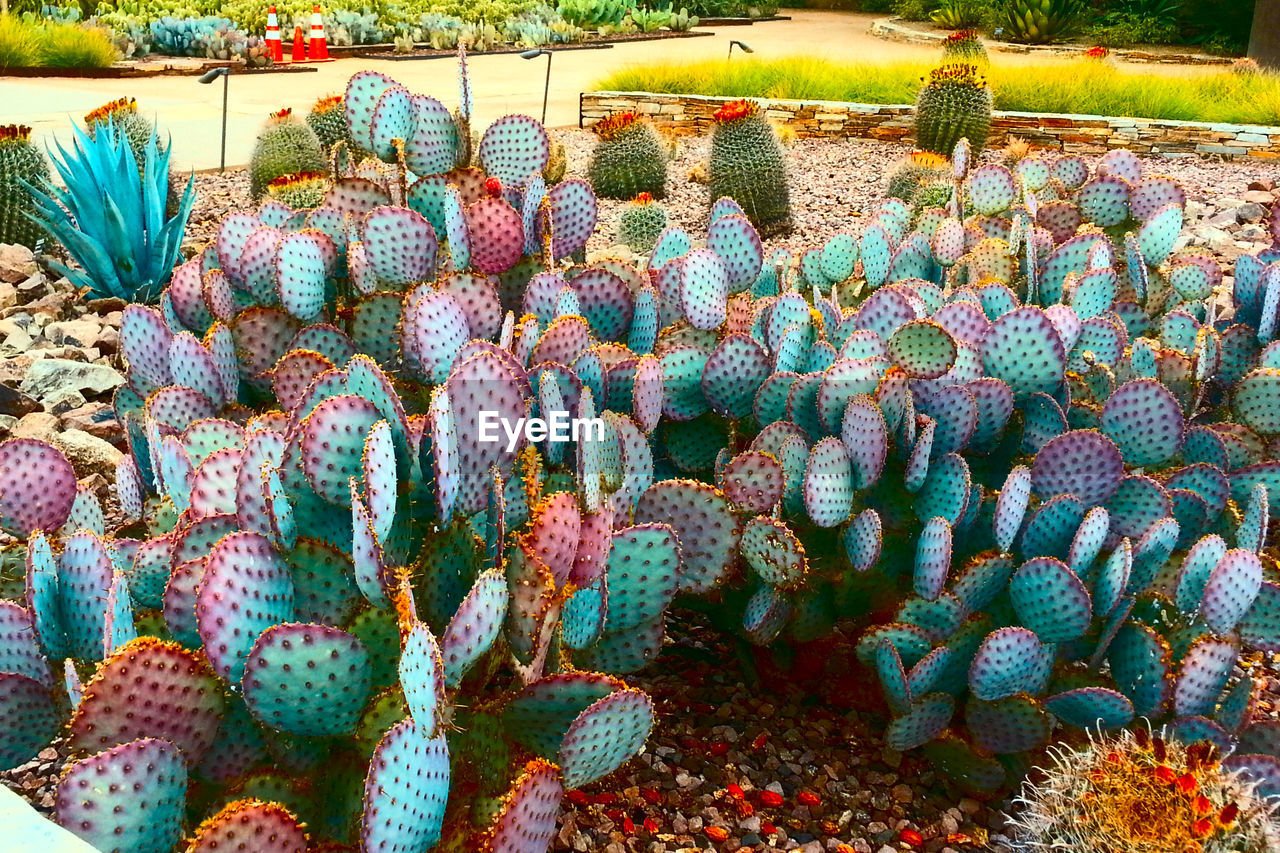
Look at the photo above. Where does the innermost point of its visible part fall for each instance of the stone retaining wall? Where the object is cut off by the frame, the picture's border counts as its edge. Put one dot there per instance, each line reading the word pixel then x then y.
pixel 1079 134
pixel 895 29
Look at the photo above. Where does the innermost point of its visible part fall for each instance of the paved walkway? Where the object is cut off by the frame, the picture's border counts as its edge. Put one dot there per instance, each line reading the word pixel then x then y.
pixel 191 113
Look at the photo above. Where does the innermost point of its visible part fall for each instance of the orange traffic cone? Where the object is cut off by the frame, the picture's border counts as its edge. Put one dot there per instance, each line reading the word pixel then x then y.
pixel 274 45
pixel 299 46
pixel 319 47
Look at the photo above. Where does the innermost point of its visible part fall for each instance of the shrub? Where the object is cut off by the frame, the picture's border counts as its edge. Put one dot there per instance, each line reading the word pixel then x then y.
pixel 18 48
pixel 915 10
pixel 961 14
pixel 72 46
pixel 1127 30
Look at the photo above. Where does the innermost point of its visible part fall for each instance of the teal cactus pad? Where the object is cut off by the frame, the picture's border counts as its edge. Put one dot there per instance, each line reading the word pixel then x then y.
pixel 513 148
pixel 332 444
pixel 916 470
pixel 828 483
pixel 84 582
pixel 929 670
pixel 1011 506
pixel 933 558
pixel 21 653
pixel 37 487
pixel 735 240
pixel 911 641
pixel 542 713
pixel 939 617
pixel 393 118
pixel 144 343
pixel 246 588
pixel 306 679
pixel 925 721
pixel 294 373
pixel 1051 600
pixel 422 677
pixel 1252 532
pixel 946 491
pixel 368 565
pixel 380 480
pixel 704 289
pixel 432 145
pixel 839 255
pixel 1091 708
pixel 1081 462
pixel 1137 504
pixel 1145 420
pixel 773 552
pixel 733 374
pixel 435 331
pixel 29 718
pixel 753 481
pixel 1023 349
pixel 992 189
pixel 923 348
pixel 324 582
pixel 1200 561
pixel 1009 725
pixel 1158 232
pixel 1230 589
pixel 893 678
pixel 1207 482
pixel 704 524
pixel 300 263
pixel 1261 770
pixel 840 383
pixel 1112 579
pixel 1089 538
pixel 86 513
pixel 129 798
pixel 863 540
pixel 1257 400
pixel 982 580
pixel 405 791
pixel 770 405
pixel 875 249
pixel 150 688
pixel 605 302
pixel 193 366
pixel 1203 675
pixel 1008 661
pixel 361 98
pixel 527 820
pixel 673 243
pixel 1141 663
pixel 474 626
pixel 604 736
pixel 1104 200
pixel 400 245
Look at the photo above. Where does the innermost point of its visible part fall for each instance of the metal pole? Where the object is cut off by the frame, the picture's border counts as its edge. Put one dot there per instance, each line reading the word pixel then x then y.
pixel 226 83
pixel 546 90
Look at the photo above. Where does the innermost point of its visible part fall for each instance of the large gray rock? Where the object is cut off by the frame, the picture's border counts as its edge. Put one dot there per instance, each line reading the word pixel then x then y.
pixel 77 333
pixel 88 454
pixel 49 375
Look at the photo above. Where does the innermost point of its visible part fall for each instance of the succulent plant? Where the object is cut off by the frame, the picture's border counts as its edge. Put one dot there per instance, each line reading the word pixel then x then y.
pixel 964 46
pixel 629 159
pixel 747 166
pixel 328 119
pixel 124 246
pixel 300 191
pixel 1041 21
pixel 21 165
pixel 285 146
pixel 953 104
pixel 641 223
pixel 916 174
pixel 1139 788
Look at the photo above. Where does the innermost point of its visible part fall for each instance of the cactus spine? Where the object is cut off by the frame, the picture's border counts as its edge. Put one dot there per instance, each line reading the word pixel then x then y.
pixel 953 103
pixel 20 161
pixel 629 159
pixel 285 146
pixel 299 190
pixel 641 222
pixel 747 166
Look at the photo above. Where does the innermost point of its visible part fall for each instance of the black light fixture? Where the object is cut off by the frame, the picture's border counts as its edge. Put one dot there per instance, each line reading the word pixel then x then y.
pixel 546 89
pixel 741 45
pixel 209 76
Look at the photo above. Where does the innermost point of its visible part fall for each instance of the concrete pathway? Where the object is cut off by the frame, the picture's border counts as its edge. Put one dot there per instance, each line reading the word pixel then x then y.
pixel 191 113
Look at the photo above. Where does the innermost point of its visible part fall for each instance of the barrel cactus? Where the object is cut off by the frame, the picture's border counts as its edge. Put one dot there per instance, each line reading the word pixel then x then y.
pixel 953 104
pixel 747 166
pixel 640 223
pixel 21 163
pixel 917 172
pixel 285 146
pixel 326 117
pixel 301 190
pixel 123 113
pixel 964 46
pixel 629 158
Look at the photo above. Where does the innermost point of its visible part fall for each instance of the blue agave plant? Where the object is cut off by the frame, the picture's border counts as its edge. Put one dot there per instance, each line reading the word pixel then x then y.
pixel 110 214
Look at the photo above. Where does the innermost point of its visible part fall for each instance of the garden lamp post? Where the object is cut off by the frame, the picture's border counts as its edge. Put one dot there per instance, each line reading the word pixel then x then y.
pixel 208 77
pixel 741 45
pixel 546 89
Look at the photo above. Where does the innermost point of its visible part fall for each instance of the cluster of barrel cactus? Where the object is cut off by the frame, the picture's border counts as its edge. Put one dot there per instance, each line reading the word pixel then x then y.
pixel 1021 422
